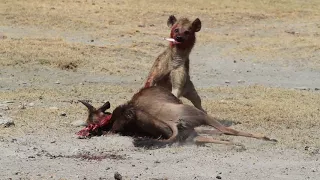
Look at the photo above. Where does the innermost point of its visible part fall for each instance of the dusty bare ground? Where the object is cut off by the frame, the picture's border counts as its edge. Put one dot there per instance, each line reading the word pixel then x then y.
pixel 255 63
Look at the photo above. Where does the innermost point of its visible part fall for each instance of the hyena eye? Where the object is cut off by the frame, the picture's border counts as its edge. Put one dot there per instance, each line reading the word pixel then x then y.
pixel 176 30
pixel 186 32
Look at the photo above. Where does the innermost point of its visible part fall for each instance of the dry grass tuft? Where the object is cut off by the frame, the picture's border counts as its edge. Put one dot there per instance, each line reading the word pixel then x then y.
pixel 67 65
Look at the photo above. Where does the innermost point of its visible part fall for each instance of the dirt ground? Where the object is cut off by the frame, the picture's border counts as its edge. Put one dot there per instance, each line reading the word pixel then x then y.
pixel 256 63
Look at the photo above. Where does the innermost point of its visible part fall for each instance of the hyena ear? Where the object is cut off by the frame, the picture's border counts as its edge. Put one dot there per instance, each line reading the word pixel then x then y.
pixel 196 25
pixel 171 21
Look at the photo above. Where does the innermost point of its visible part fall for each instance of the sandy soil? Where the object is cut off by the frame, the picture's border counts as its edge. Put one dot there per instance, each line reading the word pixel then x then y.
pixel 255 63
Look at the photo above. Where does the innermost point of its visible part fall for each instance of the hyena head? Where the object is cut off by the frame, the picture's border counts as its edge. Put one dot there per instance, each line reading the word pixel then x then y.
pixel 183 31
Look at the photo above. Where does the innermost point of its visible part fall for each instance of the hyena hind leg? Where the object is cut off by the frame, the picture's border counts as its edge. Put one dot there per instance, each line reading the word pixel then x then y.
pixel 192 95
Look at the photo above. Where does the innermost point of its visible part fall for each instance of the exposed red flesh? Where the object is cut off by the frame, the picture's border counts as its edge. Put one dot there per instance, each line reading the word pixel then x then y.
pixel 93 129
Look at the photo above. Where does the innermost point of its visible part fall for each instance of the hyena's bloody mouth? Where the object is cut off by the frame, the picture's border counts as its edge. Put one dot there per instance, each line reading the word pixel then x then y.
pixel 172 40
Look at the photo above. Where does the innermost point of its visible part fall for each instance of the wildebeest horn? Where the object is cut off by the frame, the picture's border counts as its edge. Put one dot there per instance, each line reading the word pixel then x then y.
pixel 105 106
pixel 89 106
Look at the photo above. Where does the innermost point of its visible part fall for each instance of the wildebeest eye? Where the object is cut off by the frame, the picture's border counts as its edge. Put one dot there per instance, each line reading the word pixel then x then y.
pixel 176 30
pixel 129 114
pixel 187 32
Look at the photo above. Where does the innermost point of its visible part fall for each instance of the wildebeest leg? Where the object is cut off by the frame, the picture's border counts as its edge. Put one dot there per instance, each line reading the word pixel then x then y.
pixel 156 127
pixel 203 139
pixel 192 134
pixel 193 121
pixel 209 131
pixel 162 128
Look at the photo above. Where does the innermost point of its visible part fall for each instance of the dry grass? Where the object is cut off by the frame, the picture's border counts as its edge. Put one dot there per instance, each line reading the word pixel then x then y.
pixel 252 27
pixel 76 14
pixel 42 51
pixel 70 56
pixel 290 115
pixel 303 50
